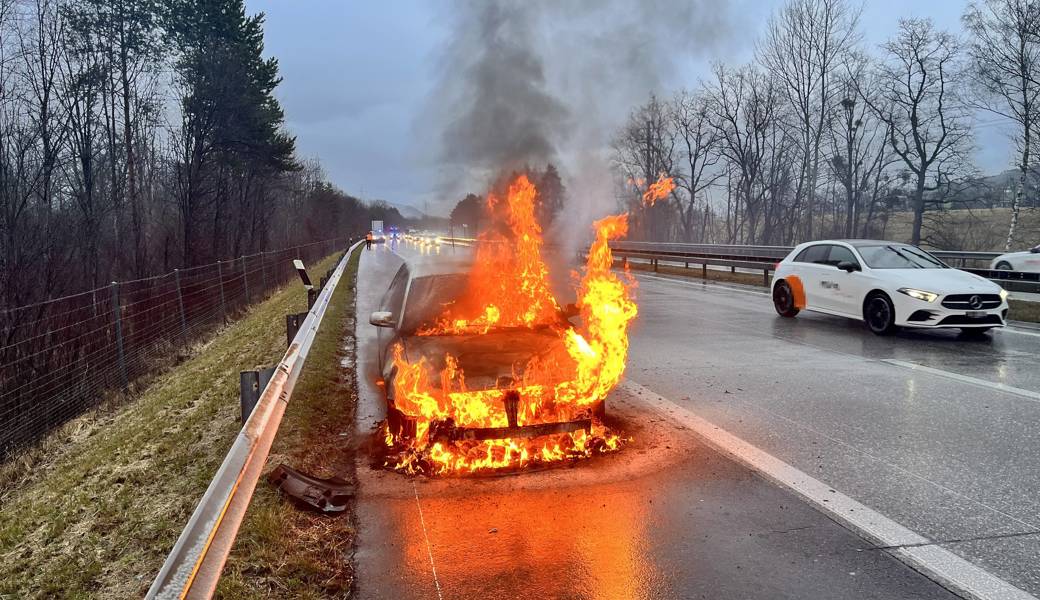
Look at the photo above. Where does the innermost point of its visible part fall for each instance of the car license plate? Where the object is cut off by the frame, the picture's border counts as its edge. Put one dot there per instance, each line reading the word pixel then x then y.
pixel 975 314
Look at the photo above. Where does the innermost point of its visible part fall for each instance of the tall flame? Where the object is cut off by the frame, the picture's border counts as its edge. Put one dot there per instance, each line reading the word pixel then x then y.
pixel 509 286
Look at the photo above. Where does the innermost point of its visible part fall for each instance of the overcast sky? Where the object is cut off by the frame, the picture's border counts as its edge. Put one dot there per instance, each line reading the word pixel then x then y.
pixel 358 76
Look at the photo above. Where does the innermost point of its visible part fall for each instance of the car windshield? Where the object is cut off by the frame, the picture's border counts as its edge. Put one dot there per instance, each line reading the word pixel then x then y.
pixel 431 298
pixel 899 256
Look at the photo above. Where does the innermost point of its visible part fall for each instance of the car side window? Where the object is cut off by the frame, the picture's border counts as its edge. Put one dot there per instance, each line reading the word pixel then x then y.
pixel 394 296
pixel 840 254
pixel 813 254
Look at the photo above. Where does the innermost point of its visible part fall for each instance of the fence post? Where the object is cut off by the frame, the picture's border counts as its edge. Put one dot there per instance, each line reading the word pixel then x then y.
pixel 180 304
pixel 220 277
pixel 263 269
pixel 117 320
pixel 245 279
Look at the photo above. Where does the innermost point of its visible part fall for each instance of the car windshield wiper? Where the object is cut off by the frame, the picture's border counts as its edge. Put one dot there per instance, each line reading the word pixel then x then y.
pixel 908 257
pixel 926 257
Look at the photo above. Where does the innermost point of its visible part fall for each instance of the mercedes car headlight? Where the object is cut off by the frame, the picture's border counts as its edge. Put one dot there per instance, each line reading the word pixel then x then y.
pixel 919 294
pixel 1003 294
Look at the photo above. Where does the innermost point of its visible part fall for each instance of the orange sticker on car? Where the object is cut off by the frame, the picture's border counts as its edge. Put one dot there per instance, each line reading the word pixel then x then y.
pixel 797 290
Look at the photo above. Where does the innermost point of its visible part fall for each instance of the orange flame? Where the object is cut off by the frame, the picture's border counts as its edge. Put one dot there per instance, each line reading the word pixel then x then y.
pixel 658 190
pixel 508 287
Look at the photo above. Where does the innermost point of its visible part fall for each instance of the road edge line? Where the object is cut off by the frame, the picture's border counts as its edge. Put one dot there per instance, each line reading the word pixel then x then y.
pixel 942 566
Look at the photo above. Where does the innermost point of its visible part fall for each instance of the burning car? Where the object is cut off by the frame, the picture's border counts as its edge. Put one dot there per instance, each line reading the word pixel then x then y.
pixel 483 367
pixel 493 359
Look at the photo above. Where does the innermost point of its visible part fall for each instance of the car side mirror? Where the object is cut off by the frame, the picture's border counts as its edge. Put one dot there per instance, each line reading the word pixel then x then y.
pixel 382 318
pixel 848 266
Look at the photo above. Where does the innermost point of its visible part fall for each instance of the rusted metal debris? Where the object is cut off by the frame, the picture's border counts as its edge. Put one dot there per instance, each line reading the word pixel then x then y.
pixel 324 495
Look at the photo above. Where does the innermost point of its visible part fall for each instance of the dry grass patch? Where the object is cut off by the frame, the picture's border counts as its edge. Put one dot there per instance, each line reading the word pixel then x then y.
pixel 107 495
pixel 282 551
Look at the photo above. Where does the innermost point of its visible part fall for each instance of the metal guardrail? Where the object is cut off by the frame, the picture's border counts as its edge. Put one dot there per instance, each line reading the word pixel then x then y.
pixel 764 258
pixel 193 567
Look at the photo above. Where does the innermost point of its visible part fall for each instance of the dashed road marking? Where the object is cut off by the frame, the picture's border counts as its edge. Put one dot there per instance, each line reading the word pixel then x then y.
pixel 920 553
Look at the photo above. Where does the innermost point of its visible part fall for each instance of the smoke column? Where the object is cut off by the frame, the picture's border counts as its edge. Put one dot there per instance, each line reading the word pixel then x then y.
pixel 526 83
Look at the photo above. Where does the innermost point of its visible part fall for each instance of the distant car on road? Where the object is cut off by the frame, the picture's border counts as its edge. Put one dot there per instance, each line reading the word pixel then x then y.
pixel 1027 260
pixel 887 285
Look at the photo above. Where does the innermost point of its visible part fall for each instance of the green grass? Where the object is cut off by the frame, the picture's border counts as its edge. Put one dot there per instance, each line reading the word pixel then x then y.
pixel 282 551
pixel 93 511
pixel 1019 310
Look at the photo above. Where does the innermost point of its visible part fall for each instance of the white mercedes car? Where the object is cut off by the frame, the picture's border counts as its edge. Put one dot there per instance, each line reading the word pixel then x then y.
pixel 887 285
pixel 1028 260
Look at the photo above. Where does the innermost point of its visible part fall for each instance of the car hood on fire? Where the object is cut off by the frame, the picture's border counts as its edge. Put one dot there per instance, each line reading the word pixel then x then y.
pixel 939 281
pixel 483 358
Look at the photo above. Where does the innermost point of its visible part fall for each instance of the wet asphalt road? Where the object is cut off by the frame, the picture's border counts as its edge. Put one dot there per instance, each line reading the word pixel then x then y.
pixel 664 518
pixel 948 450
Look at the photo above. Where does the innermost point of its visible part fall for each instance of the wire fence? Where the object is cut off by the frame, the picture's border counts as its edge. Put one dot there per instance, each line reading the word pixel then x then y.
pixel 61 357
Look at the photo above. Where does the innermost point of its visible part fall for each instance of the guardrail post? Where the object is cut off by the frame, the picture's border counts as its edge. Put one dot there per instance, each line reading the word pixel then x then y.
pixel 292 326
pixel 312 295
pixel 704 270
pixel 251 385
pixel 117 321
pixel 245 279
pixel 180 304
pixel 765 277
pixel 655 265
pixel 220 277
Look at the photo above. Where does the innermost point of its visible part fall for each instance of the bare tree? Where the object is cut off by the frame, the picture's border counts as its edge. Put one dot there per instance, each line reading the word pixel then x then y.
pixel 858 146
pixel 802 49
pixel 927 120
pixel 644 149
pixel 698 140
pixel 1005 56
pixel 745 105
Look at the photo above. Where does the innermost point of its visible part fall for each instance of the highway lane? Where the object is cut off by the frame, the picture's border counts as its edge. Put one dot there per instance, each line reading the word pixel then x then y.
pixel 948 451
pixel 666 517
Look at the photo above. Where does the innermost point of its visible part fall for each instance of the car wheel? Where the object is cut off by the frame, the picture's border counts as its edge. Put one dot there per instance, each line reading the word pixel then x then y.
pixel 879 314
pixel 1004 266
pixel 783 300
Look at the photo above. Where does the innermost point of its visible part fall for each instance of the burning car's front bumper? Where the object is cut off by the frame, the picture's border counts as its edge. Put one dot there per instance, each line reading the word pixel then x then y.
pixel 404 426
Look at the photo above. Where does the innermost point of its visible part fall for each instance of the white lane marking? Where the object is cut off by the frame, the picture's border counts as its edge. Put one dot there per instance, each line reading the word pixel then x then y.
pixel 920 553
pixel 429 547
pixel 1029 394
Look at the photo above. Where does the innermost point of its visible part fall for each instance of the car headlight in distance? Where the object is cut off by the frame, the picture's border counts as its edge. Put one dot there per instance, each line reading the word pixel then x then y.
pixel 1003 294
pixel 919 294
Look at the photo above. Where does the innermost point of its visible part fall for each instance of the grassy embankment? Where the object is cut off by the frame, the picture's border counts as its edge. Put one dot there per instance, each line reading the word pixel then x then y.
pixel 1019 310
pixel 93 511
pixel 282 551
